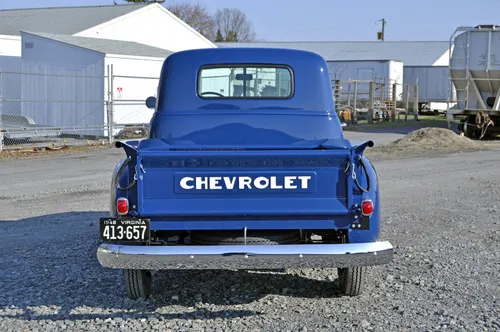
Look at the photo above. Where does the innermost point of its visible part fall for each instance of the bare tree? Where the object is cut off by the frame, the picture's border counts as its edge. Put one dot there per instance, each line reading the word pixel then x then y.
pixel 233 26
pixel 196 16
pixel 228 24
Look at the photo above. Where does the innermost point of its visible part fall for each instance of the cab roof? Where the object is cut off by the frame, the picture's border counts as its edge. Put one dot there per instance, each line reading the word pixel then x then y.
pixel 179 78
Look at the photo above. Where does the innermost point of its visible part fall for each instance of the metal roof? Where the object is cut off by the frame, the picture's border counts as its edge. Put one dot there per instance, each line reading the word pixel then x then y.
pixel 412 53
pixel 63 20
pixel 107 46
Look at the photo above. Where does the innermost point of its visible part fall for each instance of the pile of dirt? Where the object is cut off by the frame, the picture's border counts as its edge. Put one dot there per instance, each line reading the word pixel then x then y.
pixel 53 150
pixel 133 132
pixel 436 138
pixel 428 141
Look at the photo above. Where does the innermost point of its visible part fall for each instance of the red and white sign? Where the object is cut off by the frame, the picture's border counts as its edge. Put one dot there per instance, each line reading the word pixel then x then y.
pixel 119 91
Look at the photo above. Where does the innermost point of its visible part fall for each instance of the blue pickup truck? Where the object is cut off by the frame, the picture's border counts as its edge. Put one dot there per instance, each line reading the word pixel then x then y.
pixel 245 167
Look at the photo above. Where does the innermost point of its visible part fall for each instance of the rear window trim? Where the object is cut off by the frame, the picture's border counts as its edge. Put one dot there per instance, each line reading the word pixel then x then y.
pixel 243 64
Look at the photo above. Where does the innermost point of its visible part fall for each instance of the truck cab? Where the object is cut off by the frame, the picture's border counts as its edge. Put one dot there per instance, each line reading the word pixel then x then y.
pixel 245 167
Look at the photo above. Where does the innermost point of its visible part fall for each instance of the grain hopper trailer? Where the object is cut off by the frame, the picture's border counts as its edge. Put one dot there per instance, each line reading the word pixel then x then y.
pixel 474 70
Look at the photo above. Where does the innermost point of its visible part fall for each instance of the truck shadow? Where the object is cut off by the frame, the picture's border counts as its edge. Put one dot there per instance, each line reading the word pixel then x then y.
pixel 50 272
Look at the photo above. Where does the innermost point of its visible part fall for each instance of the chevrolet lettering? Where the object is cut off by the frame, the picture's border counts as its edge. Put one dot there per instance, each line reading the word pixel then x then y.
pixel 245 166
pixel 245 182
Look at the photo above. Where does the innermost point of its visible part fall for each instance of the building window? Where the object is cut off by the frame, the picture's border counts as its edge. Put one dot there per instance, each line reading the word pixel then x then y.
pixel 28 45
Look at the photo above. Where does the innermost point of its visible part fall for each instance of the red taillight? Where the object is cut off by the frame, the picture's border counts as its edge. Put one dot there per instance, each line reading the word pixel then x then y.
pixel 367 208
pixel 122 206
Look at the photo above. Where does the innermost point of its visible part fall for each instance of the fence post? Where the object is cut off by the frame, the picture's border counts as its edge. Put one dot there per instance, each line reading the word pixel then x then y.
pixel 349 93
pixel 415 104
pixel 354 103
pixel 1 109
pixel 406 88
pixel 109 104
pixel 108 98
pixel 372 102
pixel 112 108
pixel 393 115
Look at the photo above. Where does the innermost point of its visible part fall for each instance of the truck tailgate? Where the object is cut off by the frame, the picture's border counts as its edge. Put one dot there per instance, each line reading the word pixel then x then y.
pixel 243 183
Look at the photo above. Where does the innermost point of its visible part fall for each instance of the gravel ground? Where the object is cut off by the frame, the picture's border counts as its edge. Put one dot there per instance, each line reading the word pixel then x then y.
pixel 441 214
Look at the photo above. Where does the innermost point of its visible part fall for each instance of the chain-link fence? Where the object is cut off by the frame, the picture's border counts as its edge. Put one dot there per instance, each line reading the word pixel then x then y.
pixel 374 100
pixel 50 108
pixel 41 109
pixel 130 116
pixel 47 108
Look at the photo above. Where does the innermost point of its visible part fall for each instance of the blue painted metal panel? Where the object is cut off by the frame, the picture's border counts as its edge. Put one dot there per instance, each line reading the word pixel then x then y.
pixel 360 236
pixel 182 115
pixel 262 224
pixel 313 181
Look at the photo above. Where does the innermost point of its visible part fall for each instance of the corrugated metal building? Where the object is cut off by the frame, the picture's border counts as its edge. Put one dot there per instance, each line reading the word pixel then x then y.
pixel 64 84
pixel 412 53
pixel 10 84
pixel 64 53
pixel 422 60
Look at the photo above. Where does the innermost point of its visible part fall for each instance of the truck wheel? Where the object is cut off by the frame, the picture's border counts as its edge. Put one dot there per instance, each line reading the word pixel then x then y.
pixel 469 127
pixel 352 280
pixel 137 283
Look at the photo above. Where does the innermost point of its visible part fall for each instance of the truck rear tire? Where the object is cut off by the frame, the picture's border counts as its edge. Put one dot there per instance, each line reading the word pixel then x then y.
pixel 352 280
pixel 137 283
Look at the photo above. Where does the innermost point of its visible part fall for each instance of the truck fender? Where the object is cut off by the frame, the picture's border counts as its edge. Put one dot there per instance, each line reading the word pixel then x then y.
pixel 374 195
pixel 360 236
pixel 115 192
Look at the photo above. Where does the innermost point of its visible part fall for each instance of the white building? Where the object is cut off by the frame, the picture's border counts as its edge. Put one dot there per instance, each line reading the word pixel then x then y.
pixel 149 24
pixel 425 61
pixel 68 73
pixel 64 54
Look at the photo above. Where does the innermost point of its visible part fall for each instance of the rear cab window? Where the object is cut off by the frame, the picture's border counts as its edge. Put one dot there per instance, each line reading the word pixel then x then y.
pixel 245 82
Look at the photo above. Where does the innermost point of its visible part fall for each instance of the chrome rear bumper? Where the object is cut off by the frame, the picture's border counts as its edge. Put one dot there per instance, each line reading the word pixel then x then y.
pixel 244 256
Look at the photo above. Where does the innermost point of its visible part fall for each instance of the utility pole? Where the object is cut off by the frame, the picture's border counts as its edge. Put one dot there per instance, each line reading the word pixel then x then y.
pixel 383 29
pixel 381 35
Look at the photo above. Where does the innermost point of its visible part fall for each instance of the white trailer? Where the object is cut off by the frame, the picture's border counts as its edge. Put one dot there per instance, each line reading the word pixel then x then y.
pixel 384 72
pixel 433 86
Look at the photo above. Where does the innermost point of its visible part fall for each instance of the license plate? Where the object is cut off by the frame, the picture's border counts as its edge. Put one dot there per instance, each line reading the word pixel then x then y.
pixel 124 230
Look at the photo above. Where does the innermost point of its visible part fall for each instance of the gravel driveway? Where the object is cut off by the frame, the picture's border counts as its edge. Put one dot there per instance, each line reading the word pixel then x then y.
pixel 441 214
